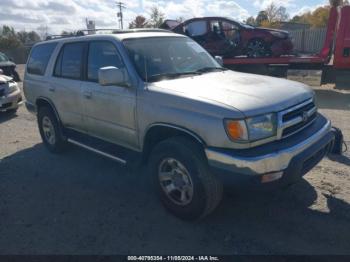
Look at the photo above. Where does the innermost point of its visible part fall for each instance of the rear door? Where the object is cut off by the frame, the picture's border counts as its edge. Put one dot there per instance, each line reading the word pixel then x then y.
pixel 109 110
pixel 66 85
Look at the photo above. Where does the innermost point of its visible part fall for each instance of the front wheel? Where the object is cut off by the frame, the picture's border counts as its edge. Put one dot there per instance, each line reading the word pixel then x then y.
pixel 183 180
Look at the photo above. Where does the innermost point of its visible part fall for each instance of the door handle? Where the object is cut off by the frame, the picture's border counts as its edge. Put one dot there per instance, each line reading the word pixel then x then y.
pixel 51 89
pixel 87 94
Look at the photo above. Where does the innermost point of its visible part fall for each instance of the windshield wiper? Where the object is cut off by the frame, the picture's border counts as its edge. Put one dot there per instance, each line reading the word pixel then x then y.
pixel 210 69
pixel 159 77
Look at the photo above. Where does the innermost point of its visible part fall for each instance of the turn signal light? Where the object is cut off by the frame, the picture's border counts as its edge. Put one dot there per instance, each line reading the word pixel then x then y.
pixel 236 129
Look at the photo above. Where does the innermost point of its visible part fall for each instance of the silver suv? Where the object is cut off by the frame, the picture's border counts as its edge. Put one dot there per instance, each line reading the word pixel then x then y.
pixel 161 98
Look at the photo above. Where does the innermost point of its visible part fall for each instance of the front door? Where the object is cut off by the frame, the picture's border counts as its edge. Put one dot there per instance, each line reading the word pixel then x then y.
pixel 223 38
pixel 109 110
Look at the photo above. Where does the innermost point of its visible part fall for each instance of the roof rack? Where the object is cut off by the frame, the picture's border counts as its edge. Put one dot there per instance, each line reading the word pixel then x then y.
pixel 113 31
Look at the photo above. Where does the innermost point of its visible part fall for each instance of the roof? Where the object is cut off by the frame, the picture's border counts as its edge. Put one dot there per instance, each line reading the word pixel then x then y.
pixel 120 35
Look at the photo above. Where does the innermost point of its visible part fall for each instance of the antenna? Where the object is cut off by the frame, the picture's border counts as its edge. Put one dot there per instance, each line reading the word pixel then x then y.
pixel 121 6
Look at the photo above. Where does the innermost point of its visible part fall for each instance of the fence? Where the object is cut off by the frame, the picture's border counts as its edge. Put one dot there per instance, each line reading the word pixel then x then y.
pixel 309 40
pixel 19 55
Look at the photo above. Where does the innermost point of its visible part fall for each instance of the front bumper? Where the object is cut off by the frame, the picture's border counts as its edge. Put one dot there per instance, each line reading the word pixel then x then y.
pixel 291 157
pixel 11 101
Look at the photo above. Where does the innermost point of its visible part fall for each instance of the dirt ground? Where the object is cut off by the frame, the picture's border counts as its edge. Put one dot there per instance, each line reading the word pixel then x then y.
pixel 81 203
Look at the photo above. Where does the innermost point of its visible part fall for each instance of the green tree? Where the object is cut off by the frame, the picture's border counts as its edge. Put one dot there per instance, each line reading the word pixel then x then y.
pixel 28 37
pixel 317 18
pixel 156 18
pixel 8 38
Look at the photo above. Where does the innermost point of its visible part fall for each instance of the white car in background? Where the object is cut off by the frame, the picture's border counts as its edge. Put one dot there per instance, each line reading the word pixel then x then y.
pixel 10 94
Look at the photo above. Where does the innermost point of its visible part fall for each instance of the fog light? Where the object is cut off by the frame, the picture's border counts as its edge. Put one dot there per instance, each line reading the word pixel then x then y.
pixel 271 177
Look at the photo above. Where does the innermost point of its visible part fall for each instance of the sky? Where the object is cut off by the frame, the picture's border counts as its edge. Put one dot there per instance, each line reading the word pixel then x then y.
pixel 71 14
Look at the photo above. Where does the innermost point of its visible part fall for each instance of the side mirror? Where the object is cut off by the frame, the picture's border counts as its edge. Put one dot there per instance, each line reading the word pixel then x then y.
pixel 219 60
pixel 111 75
pixel 11 59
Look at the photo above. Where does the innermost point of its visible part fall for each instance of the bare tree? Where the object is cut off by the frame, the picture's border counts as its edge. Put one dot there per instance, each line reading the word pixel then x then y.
pixel 180 19
pixel 251 21
pixel 43 31
pixel 276 13
pixel 139 22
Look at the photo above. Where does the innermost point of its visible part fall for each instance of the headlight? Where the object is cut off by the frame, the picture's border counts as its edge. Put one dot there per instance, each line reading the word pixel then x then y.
pixel 12 87
pixel 252 129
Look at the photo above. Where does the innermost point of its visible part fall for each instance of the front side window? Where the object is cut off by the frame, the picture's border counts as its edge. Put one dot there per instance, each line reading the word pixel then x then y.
pixel 102 54
pixel 157 57
pixel 39 58
pixel 69 61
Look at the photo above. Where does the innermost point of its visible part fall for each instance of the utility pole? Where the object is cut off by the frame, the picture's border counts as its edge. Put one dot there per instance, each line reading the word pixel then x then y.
pixel 120 13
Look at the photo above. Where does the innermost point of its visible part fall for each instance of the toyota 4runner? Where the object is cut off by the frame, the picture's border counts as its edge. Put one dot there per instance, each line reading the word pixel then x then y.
pixel 160 97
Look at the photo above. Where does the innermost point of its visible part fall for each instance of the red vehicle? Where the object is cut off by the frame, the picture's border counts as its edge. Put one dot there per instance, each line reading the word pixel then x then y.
pixel 228 38
pixel 333 59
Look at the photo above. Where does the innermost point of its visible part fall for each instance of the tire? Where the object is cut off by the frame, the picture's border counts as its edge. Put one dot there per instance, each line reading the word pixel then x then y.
pixel 258 48
pixel 50 131
pixel 207 190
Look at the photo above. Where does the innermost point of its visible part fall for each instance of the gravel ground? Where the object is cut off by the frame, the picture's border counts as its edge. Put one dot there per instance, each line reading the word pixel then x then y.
pixel 81 203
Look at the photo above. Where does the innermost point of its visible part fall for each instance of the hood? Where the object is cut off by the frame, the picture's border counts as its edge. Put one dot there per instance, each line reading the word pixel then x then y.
pixel 7 63
pixel 248 93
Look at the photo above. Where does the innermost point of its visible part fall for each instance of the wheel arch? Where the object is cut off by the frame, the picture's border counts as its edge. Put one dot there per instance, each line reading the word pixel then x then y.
pixel 43 101
pixel 158 132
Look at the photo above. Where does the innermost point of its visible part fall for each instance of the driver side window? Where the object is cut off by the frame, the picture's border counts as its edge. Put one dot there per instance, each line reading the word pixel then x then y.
pixel 102 54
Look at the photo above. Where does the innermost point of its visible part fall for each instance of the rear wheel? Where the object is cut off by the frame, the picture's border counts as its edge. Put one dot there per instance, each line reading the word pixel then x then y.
pixel 258 48
pixel 50 130
pixel 183 180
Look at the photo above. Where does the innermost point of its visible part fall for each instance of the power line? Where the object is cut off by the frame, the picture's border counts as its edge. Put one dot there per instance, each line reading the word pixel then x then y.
pixel 121 6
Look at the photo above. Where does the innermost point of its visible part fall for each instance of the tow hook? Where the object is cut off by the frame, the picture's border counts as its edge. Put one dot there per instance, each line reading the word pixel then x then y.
pixel 337 147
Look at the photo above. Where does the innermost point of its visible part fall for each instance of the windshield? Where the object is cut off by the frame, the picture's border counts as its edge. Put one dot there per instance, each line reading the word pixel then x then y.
pixel 157 58
pixel 3 58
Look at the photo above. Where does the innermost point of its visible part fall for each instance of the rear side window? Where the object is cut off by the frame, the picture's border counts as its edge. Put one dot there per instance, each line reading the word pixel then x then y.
pixel 102 54
pixel 39 58
pixel 69 61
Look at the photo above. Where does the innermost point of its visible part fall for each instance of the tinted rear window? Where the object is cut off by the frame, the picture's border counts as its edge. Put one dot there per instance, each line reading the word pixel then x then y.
pixel 39 58
pixel 69 62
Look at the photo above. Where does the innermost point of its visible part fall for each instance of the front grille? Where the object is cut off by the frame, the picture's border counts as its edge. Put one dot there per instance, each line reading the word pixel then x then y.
pixel 297 118
pixel 295 128
pixel 7 70
pixel 7 105
pixel 297 112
